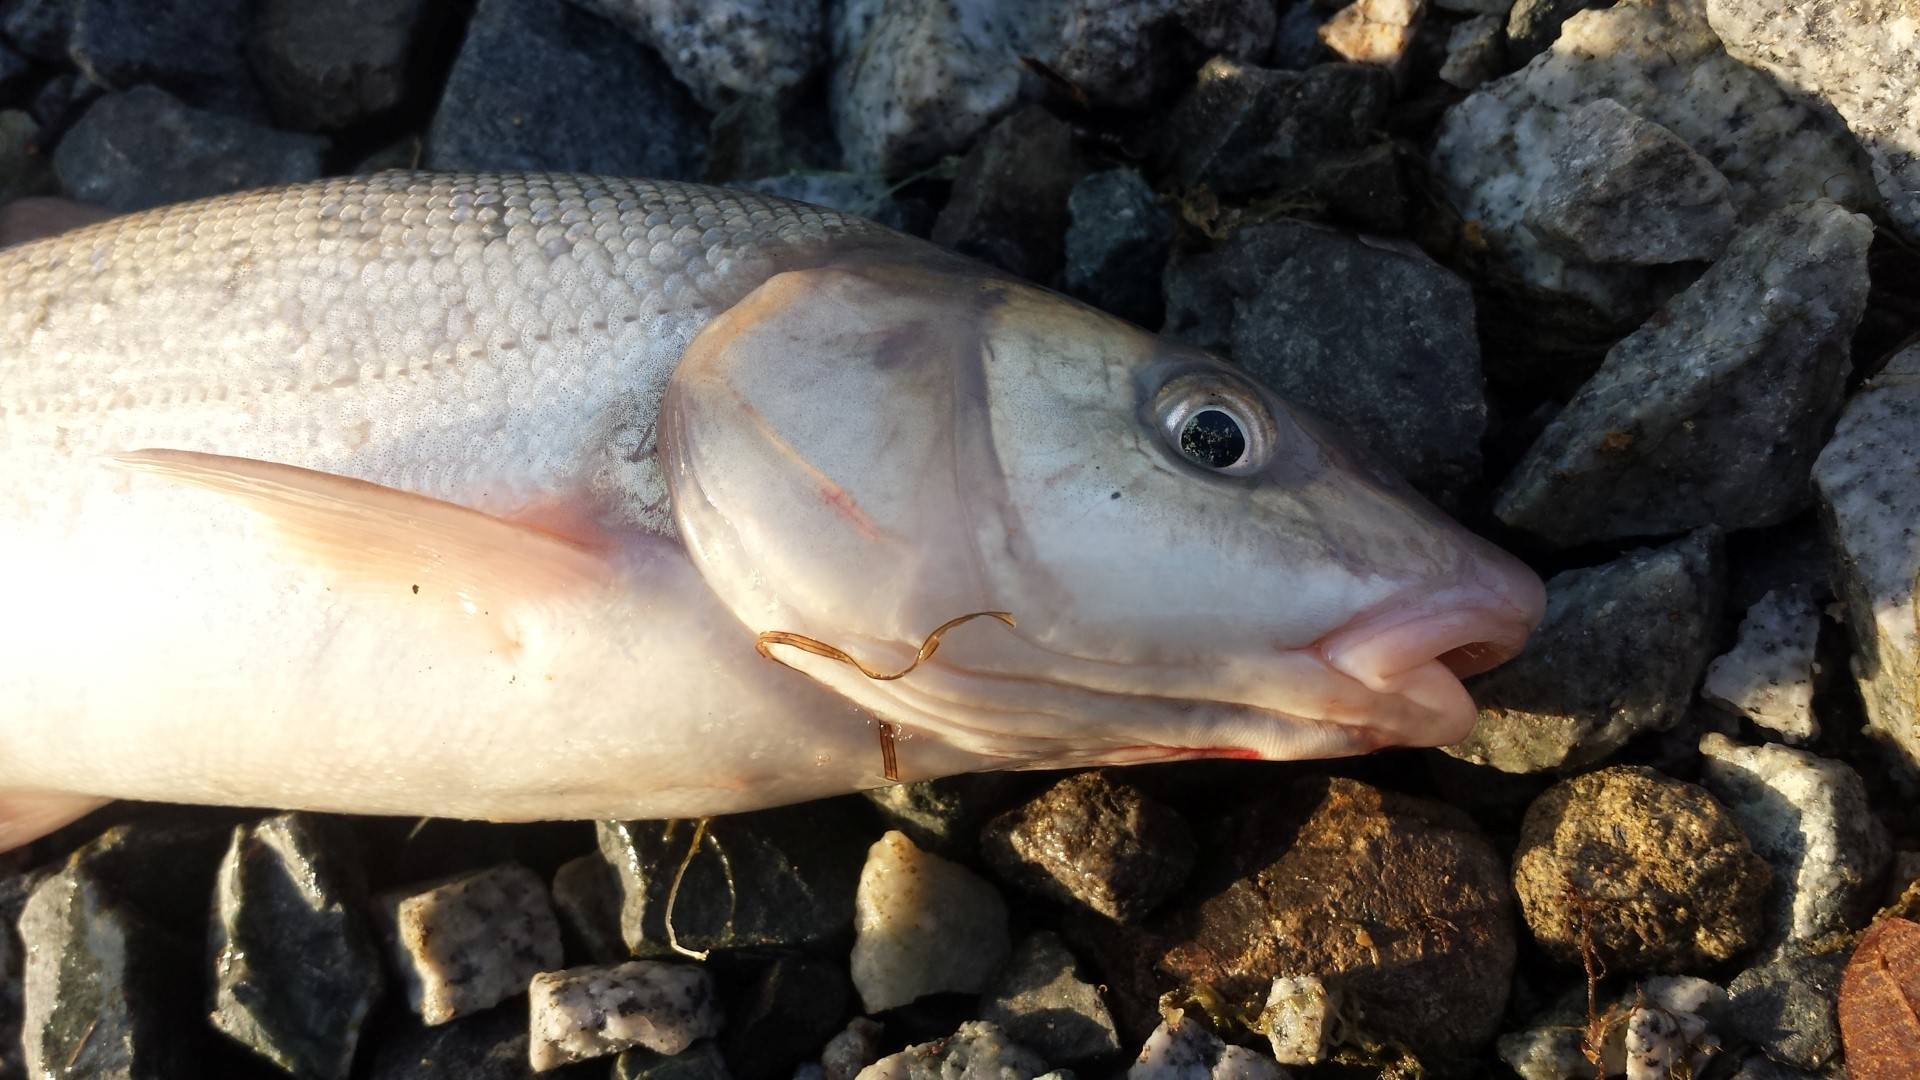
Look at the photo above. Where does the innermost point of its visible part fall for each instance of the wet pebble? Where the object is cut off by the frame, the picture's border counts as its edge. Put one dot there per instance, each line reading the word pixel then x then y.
pixel 1618 653
pixel 977 1049
pixel 1041 1003
pixel 1118 238
pixel 145 148
pixel 589 1012
pixel 329 66
pixel 923 925
pixel 1650 871
pixel 296 966
pixel 470 943
pixel 1768 675
pixel 1095 840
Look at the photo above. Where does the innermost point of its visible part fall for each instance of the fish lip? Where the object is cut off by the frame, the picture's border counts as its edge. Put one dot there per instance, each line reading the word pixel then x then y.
pixel 1467 631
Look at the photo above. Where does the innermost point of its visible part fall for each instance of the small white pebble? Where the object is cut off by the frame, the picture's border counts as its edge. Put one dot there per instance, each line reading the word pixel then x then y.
pixel 588 1012
pixel 1299 1019
pixel 923 925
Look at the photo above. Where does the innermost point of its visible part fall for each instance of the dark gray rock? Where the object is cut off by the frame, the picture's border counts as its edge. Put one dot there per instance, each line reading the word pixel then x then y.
pixel 1533 25
pixel 1712 412
pixel 757 137
pixel 1376 339
pixel 1649 870
pixel 16 77
pixel 782 878
pixel 39 28
pixel 332 65
pixel 722 50
pixel 194 49
pixel 145 148
pixel 536 85
pixel 586 896
pixel 23 166
pixel 1313 136
pixel 1626 190
pixel 1042 1004
pixel 1009 201
pixel 856 1047
pixel 588 1012
pixel 701 1061
pixel 782 1015
pixel 1788 1007
pixel 296 968
pixel 466 945
pixel 1296 41
pixel 868 196
pixel 943 815
pixel 1476 52
pixel 1117 242
pixel 61 101
pixel 1619 652
pixel 493 1045
pixel 1093 840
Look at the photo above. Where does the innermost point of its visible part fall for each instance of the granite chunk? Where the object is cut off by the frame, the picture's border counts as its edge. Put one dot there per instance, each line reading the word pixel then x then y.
pixel 468 944
pixel 1182 1049
pixel 923 925
pixel 723 50
pixel 977 1049
pixel 1301 1019
pixel 1768 675
pixel 589 1012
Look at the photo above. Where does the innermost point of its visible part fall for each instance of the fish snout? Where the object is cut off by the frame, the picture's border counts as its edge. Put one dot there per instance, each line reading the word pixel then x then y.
pixel 1465 628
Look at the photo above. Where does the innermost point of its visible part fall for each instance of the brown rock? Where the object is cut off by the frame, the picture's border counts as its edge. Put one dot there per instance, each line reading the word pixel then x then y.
pixel 1398 901
pixel 1094 841
pixel 1880 1003
pixel 1650 870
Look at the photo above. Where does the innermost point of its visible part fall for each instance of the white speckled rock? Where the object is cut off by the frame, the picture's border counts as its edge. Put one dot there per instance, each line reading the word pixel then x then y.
pixel 1626 190
pixel 589 1012
pixel 1808 817
pixel 1768 675
pixel 723 49
pixel 1862 56
pixel 1475 50
pixel 1299 1019
pixel 1659 59
pixel 923 925
pixel 1551 1048
pixel 1868 480
pixel 470 943
pixel 855 1048
pixel 1378 32
pixel 1658 1042
pixel 1182 1049
pixel 977 1051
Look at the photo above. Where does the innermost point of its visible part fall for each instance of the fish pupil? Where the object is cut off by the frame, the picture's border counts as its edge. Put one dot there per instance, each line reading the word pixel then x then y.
pixel 1213 439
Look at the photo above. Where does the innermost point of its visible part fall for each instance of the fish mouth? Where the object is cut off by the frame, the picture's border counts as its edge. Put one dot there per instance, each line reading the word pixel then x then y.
pixel 1465 634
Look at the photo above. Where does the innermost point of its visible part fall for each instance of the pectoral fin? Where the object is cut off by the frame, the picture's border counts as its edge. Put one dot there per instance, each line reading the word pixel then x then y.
pixel 392 543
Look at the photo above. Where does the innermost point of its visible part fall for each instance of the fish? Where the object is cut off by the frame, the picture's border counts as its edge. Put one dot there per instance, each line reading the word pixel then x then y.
pixel 525 497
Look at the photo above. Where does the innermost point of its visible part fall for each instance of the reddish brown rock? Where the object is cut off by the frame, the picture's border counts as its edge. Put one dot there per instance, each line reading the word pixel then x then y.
pixel 1880 1003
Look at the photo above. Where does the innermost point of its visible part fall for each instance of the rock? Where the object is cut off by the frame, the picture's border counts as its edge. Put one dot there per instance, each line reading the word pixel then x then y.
pixel 329 66
pixel 1300 1019
pixel 586 896
pixel 977 1049
pixel 1533 25
pixel 1618 653
pixel 1093 840
pixel 1476 51
pixel 1009 201
pixel 1376 32
pixel 1477 7
pixel 1378 340
pixel 1296 42
pixel 1859 58
pixel 852 1050
pixel 490 1046
pixel 923 925
pixel 1758 1066
pixel 871 198
pixel 1649 869
pixel 23 166
pixel 1181 1049
pixel 1553 1047
pixel 1868 481
pixel 16 77
pixel 701 1062
pixel 145 148
pixel 918 79
pixel 1043 1005
pixel 1786 1007
pixel 470 943
pixel 1768 676
pixel 781 878
pixel 782 1016
pixel 1494 150
pixel 1626 190
pixel 39 28
pixel 194 49
pixel 1808 817
pixel 1118 237
pixel 760 137
pixel 589 1012
pixel 62 100
pixel 1880 1002
pixel 1430 963
pixel 1658 442
pixel 1660 1043
pixel 1314 136
pixel 296 968
pixel 730 49
pixel 943 815
pixel 530 90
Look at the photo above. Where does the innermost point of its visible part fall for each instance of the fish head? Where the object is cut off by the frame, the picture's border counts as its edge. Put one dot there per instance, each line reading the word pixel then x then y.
pixel 1188 565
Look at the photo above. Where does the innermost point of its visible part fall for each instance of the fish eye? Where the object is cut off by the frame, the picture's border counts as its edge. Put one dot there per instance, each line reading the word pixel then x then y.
pixel 1216 422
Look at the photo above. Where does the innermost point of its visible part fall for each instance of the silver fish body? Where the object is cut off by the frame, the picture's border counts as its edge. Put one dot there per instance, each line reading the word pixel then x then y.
pixel 469 496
